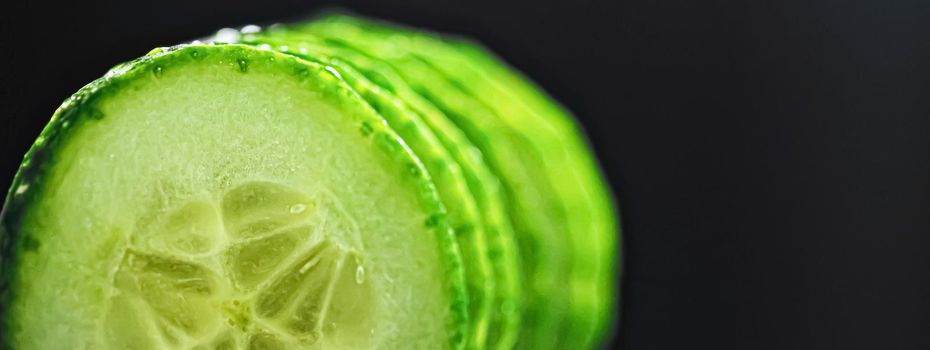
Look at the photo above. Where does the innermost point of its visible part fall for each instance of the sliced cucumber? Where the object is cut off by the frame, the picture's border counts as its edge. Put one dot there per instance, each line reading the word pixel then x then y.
pixel 341 184
pixel 226 197
pixel 547 142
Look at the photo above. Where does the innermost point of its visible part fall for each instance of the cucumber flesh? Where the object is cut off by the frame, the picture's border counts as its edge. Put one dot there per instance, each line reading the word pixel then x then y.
pixel 183 225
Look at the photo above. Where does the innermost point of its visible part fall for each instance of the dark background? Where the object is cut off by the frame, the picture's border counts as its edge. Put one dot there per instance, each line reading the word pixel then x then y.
pixel 770 159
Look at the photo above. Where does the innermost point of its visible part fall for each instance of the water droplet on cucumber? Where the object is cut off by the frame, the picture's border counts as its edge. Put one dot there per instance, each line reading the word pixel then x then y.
pixel 250 29
pixel 360 274
pixel 298 208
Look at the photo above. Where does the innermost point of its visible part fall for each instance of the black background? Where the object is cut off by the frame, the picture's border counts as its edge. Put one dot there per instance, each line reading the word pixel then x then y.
pixel 770 159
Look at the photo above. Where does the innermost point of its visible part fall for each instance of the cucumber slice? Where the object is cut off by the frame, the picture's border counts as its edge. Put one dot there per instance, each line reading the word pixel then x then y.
pixel 503 323
pixel 226 197
pixel 566 177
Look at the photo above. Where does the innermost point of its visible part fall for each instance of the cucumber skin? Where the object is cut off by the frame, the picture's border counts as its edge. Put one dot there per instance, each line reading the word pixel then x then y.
pixel 80 108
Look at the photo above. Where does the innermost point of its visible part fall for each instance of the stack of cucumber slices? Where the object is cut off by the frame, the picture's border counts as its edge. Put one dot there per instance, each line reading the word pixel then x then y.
pixel 337 184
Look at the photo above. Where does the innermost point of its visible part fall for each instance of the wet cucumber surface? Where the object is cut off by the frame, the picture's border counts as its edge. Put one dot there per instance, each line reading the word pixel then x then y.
pixel 338 184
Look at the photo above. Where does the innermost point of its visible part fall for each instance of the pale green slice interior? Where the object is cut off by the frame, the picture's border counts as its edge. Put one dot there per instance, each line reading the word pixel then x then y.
pixel 222 200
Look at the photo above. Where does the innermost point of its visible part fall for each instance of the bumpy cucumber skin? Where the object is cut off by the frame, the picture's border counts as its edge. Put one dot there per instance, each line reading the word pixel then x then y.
pixel 80 108
pixel 559 142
